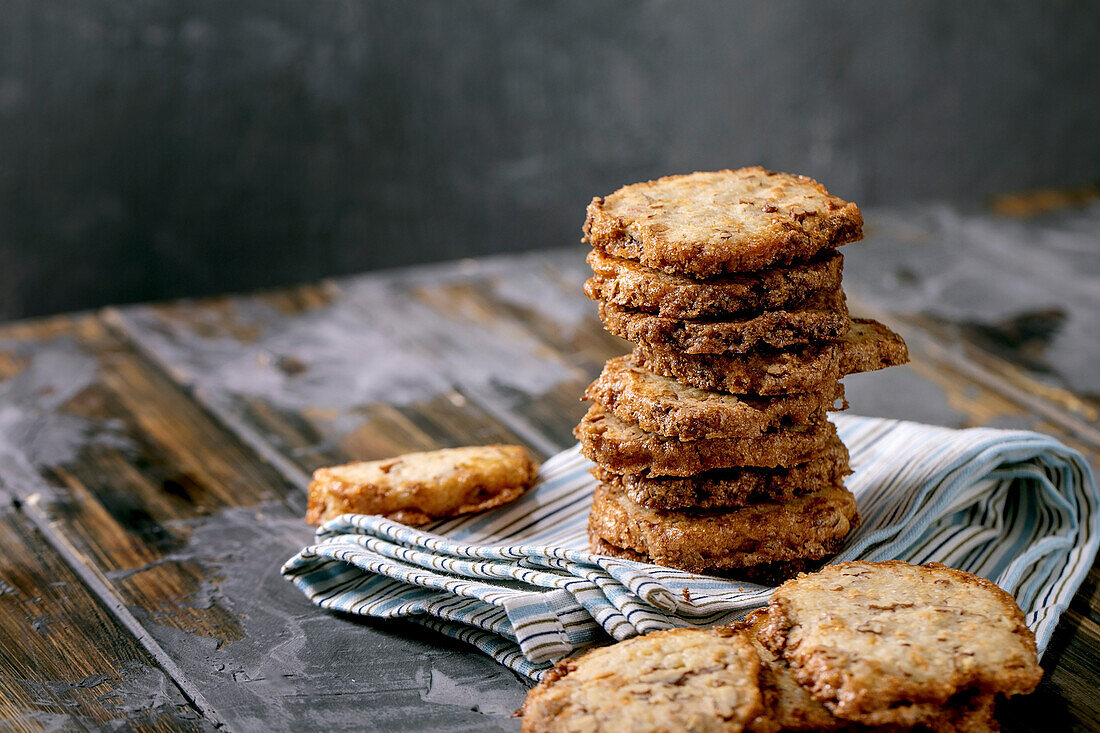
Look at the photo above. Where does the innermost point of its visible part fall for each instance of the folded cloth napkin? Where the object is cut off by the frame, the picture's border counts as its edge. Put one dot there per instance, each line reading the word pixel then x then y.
pixel 518 582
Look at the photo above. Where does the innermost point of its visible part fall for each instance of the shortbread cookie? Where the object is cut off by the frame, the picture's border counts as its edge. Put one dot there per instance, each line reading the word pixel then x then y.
pixel 630 284
pixel 625 448
pixel 673 680
pixel 891 643
pixel 805 528
pixel 733 487
pixel 821 318
pixel 418 487
pixel 788 706
pixel 663 405
pixel 867 347
pixel 705 224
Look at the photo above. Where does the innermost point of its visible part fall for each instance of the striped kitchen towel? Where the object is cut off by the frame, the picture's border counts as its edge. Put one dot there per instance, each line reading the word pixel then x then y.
pixel 518 582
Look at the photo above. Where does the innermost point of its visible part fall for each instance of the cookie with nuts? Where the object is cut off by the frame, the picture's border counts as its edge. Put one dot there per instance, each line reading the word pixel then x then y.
pixel 630 284
pixel 673 680
pixel 808 527
pixel 710 223
pixel 663 405
pixel 808 368
pixel 624 447
pixel 730 488
pixel 890 643
pixel 824 317
pixel 418 487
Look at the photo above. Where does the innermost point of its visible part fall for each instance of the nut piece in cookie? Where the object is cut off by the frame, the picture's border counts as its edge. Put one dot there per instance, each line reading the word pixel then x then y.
pixel 709 223
pixel 674 680
pixel 418 487
pixel 891 643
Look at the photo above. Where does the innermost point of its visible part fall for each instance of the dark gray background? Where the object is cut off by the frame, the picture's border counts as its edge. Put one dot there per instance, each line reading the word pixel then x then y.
pixel 163 148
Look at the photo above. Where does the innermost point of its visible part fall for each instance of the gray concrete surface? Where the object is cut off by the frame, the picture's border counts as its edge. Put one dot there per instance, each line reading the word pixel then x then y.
pixel 186 147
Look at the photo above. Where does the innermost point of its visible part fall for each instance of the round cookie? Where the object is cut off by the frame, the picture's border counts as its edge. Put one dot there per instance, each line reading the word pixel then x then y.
pixel 732 487
pixel 788 706
pixel 624 447
pixel 663 405
pixel 630 284
pixel 808 527
pixel 823 317
pixel 674 680
pixel 709 223
pixel 772 573
pixel 891 643
pixel 867 347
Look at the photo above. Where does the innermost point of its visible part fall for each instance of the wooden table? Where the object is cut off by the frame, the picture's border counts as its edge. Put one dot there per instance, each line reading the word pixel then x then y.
pixel 154 460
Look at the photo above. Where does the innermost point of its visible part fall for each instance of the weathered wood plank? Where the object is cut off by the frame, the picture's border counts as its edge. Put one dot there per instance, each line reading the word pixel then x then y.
pixel 495 306
pixel 464 322
pixel 1024 290
pixel 65 662
pixel 1073 413
pixel 183 528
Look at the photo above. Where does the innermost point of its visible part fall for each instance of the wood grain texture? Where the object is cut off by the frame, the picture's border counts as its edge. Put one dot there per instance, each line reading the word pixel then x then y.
pixel 510 338
pixel 1026 290
pixel 65 662
pixel 185 527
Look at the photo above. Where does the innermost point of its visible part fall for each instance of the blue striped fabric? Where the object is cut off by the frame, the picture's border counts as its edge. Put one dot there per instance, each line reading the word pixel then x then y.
pixel 518 583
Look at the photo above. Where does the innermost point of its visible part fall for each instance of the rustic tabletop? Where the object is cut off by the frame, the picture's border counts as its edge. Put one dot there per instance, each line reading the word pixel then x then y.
pixel 154 460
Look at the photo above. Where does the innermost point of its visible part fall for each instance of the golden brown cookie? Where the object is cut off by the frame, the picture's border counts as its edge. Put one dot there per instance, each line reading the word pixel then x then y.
pixel 709 223
pixel 419 487
pixel 891 643
pixel 663 405
pixel 630 284
pixel 772 573
pixel 867 347
pixel 823 317
pixel 625 448
pixel 808 527
pixel 788 706
pixel 664 681
pixel 732 487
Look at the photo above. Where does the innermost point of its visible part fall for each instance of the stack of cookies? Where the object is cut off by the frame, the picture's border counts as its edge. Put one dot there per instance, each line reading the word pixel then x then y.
pixel 711 441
